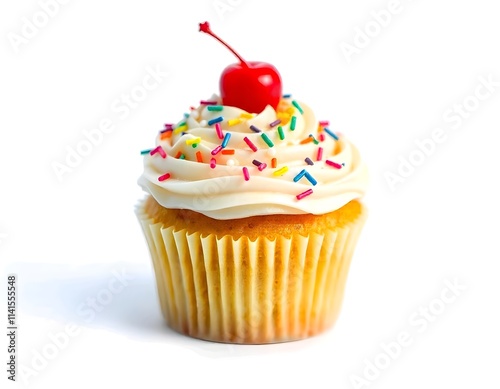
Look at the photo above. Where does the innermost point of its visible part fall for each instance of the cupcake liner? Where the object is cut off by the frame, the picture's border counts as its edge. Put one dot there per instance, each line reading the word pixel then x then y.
pixel 250 291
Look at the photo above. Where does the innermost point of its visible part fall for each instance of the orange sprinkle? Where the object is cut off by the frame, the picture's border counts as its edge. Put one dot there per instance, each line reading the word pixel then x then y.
pixel 309 139
pixel 166 135
pixel 178 155
pixel 199 157
pixel 274 163
pixel 227 152
pixel 320 128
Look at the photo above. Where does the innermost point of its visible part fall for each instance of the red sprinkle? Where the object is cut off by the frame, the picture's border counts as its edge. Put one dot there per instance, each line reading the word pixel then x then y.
pixel 213 163
pixel 204 102
pixel 304 194
pixel 199 157
pixel 218 129
pixel 333 164
pixel 246 174
pixel 216 150
pixel 324 123
pixel 164 177
pixel 322 137
pixel 320 154
pixel 159 150
pixel 250 144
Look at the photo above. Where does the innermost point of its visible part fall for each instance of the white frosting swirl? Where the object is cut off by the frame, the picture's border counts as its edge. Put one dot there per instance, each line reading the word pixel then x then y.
pixel 223 193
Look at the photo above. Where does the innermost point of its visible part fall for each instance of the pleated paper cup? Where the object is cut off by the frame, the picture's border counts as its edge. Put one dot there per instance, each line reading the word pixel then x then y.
pixel 236 289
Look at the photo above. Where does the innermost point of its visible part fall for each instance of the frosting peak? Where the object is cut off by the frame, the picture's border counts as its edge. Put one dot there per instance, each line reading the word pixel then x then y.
pixel 226 163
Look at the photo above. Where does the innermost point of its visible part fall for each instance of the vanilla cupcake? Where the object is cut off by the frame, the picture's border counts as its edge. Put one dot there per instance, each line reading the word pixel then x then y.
pixel 252 213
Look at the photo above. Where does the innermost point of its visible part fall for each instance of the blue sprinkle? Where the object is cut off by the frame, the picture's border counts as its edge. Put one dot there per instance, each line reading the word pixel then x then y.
pixel 215 121
pixel 299 176
pixel 329 132
pixel 310 178
pixel 287 96
pixel 226 139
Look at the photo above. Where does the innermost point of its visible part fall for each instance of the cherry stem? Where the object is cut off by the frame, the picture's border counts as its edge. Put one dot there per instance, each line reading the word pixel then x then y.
pixel 205 27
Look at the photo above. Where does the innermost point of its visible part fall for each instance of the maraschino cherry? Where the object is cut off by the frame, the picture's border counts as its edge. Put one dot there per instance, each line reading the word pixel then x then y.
pixel 248 85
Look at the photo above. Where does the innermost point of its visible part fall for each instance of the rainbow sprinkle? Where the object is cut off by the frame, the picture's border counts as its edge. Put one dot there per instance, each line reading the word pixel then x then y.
pixel 293 123
pixel 274 163
pixel 158 150
pixel 329 132
pixel 299 176
pixel 144 152
pixel 199 157
pixel 226 139
pixel 169 126
pixel 287 96
pixel 216 108
pixel 319 157
pixel 218 130
pixel 309 139
pixel 204 102
pixel 262 166
pixel 308 161
pixel 216 150
pixel 246 174
pixel 275 123
pixel 281 171
pixel 304 194
pixel 180 128
pixel 322 137
pixel 213 163
pixel 281 133
pixel 246 115
pixel 254 129
pixel 299 108
pixel 324 123
pixel 215 120
pixel 228 152
pixel 310 178
pixel 233 122
pixel 250 144
pixel 182 156
pixel 266 139
pixel 165 135
pixel 166 176
pixel 333 164
pixel 193 141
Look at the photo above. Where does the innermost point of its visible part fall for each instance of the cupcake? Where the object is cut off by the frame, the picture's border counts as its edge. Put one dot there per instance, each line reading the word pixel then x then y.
pixel 252 213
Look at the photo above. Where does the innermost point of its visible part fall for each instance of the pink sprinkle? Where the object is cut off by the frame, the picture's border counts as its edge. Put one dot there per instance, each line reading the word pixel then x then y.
pixel 250 144
pixel 218 129
pixel 324 123
pixel 216 150
pixel 164 177
pixel 320 154
pixel 322 137
pixel 204 102
pixel 169 126
pixel 159 150
pixel 333 164
pixel 304 194
pixel 262 166
pixel 246 174
pixel 213 163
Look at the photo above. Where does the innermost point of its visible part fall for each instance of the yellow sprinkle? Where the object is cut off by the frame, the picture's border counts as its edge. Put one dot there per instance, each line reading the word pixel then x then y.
pixel 290 110
pixel 281 171
pixel 194 140
pixel 246 115
pixel 180 129
pixel 233 122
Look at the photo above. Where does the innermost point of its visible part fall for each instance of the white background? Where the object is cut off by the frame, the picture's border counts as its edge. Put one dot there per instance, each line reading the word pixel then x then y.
pixel 67 238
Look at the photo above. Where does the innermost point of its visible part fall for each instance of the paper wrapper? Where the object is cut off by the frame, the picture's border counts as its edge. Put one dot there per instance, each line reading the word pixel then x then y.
pixel 242 291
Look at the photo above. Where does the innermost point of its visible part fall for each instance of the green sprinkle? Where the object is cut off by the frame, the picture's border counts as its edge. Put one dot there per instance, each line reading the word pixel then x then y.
pixel 182 156
pixel 144 152
pixel 194 145
pixel 315 141
pixel 266 139
pixel 281 133
pixel 215 107
pixel 293 123
pixel 296 105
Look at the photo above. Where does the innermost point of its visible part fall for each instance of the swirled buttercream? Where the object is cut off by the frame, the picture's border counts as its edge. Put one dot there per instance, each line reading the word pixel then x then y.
pixel 192 171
